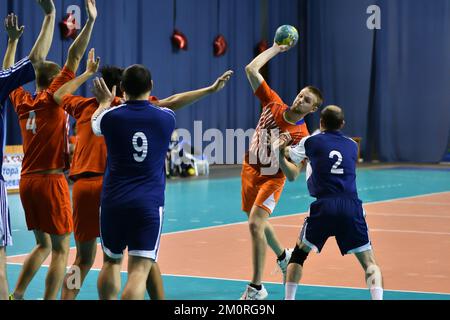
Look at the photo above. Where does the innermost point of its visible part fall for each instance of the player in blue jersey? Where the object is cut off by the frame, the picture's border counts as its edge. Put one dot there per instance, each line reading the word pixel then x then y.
pixel 10 79
pixel 331 178
pixel 137 135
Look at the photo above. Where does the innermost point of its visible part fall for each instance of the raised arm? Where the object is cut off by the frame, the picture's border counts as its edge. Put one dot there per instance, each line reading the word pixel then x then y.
pixel 14 34
pixel 185 99
pixel 78 47
pixel 72 86
pixel 43 43
pixel 252 70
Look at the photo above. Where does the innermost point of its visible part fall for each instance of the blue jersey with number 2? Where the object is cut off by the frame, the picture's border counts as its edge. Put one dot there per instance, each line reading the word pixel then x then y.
pixel 332 161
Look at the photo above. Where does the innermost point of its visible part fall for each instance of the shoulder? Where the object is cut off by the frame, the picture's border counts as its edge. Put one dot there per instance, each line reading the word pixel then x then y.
pixel 165 111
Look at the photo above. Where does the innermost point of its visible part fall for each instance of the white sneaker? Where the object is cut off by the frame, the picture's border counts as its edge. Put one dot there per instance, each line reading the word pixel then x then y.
pixel 251 293
pixel 283 264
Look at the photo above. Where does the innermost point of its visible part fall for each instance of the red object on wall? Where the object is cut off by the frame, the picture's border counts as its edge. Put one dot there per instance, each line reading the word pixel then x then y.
pixel 69 27
pixel 179 40
pixel 262 46
pixel 220 46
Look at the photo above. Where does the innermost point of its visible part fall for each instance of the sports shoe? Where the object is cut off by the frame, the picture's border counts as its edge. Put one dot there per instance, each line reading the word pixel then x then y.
pixel 284 263
pixel 251 293
pixel 11 297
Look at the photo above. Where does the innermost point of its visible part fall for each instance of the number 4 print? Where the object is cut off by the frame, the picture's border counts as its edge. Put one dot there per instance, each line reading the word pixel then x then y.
pixel 31 122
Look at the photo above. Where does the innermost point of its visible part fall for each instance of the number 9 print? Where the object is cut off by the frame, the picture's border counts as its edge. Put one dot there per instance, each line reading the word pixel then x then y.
pixel 140 144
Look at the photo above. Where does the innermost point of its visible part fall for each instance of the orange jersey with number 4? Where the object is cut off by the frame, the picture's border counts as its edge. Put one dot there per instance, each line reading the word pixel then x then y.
pixel 44 127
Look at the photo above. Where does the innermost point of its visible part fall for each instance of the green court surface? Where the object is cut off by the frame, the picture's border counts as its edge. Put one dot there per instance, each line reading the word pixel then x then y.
pixel 213 202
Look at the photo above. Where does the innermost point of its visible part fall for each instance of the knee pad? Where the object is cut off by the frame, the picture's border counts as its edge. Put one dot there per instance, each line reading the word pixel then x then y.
pixel 298 256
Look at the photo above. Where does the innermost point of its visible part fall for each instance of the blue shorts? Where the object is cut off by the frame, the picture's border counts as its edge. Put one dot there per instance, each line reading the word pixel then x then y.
pixel 138 229
pixel 5 223
pixel 341 217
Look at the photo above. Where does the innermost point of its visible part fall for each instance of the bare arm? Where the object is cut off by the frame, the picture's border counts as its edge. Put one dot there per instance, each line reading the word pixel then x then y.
pixel 14 34
pixel 252 70
pixel 290 170
pixel 185 99
pixel 78 47
pixel 73 85
pixel 44 41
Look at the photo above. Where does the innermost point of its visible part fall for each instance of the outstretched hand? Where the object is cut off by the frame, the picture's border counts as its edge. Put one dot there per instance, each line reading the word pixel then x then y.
pixel 91 9
pixel 222 81
pixel 102 93
pixel 47 5
pixel 12 27
pixel 282 48
pixel 92 62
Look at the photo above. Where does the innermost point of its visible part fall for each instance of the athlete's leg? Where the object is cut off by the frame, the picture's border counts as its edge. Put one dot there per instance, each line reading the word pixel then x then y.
pixel 155 286
pixel 138 273
pixel 33 262
pixel 58 263
pixel 108 283
pixel 271 237
pixel 257 224
pixel 295 269
pixel 374 278
pixel 86 251
pixel 3 281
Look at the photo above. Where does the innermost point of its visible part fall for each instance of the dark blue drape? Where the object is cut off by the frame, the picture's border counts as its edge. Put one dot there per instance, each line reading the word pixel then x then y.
pixel 392 83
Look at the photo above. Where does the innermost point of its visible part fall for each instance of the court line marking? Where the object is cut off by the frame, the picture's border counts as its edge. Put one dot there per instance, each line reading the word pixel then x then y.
pixel 429 203
pixel 302 213
pixel 376 230
pixel 272 282
pixel 382 214
pixel 274 218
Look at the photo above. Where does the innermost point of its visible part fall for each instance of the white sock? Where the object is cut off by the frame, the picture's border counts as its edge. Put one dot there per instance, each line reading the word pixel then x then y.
pixel 376 293
pixel 289 291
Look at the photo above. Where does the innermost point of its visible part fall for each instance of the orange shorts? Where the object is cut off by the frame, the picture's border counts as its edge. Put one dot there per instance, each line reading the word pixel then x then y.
pixel 86 208
pixel 46 202
pixel 260 190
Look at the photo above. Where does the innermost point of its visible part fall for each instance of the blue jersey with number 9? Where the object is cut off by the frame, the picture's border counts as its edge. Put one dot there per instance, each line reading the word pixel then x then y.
pixel 331 160
pixel 137 136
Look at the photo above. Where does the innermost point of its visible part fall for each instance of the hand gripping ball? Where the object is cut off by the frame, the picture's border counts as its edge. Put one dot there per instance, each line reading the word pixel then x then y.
pixel 286 35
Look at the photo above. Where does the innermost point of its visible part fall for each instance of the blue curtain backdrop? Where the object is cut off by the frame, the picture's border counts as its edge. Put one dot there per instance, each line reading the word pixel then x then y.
pixel 393 83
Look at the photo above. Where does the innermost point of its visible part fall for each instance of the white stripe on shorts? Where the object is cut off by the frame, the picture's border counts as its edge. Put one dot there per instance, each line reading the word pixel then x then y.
pixel 5 231
pixel 151 254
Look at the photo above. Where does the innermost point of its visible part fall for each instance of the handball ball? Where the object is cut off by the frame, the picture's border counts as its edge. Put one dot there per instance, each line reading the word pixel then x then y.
pixel 191 171
pixel 286 36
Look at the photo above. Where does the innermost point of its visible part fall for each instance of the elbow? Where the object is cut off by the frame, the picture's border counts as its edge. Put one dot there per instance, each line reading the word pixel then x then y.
pixel 291 178
pixel 249 69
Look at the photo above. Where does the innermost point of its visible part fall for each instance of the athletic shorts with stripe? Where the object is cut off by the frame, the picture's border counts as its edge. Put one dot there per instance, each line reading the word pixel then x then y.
pixel 46 202
pixel 5 223
pixel 260 190
pixel 138 229
pixel 341 217
pixel 86 195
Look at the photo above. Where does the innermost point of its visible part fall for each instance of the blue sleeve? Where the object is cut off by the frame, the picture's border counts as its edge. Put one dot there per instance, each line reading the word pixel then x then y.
pixel 16 76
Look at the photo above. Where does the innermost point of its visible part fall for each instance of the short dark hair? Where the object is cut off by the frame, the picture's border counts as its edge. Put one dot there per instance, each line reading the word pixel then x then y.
pixel 46 71
pixel 318 95
pixel 112 76
pixel 136 80
pixel 332 118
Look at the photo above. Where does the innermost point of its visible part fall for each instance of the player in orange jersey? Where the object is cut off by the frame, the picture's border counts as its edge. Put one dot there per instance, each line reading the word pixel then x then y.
pixel 11 78
pixel 262 180
pixel 89 163
pixel 44 191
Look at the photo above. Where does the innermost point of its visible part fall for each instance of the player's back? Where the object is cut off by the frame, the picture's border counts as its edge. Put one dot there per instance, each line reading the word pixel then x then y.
pixel 137 136
pixel 332 157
